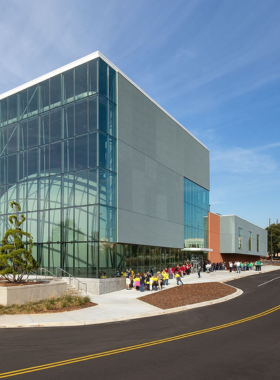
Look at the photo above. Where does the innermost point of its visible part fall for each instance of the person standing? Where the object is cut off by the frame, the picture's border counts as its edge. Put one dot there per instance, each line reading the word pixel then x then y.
pixel 237 264
pixel 199 270
pixel 128 279
pixel 142 282
pixel 178 278
pixel 230 266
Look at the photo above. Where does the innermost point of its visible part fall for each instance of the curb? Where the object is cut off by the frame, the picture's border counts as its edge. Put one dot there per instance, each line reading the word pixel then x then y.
pixel 130 317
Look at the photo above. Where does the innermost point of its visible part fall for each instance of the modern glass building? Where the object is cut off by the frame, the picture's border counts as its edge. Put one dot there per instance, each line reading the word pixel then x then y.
pixel 105 177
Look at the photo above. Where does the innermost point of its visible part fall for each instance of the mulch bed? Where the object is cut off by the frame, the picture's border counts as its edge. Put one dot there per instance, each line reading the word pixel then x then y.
pixel 189 294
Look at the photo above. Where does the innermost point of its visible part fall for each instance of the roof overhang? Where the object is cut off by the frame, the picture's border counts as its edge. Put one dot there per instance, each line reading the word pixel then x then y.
pixel 197 249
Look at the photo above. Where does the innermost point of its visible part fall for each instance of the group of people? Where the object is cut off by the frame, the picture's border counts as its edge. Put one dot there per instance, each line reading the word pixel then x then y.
pixel 243 266
pixel 155 281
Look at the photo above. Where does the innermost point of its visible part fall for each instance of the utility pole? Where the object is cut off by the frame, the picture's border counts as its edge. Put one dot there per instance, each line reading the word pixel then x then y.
pixel 270 240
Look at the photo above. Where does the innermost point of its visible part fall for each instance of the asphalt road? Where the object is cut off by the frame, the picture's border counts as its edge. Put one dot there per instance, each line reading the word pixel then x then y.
pixel 247 350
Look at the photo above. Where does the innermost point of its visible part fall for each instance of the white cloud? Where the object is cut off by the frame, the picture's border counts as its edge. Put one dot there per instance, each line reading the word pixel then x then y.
pixel 242 160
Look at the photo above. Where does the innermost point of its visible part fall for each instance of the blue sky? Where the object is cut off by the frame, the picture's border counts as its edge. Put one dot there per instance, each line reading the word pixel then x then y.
pixel 212 64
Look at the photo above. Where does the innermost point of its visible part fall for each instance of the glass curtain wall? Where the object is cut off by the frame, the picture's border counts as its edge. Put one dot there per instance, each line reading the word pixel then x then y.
pixel 58 160
pixel 196 207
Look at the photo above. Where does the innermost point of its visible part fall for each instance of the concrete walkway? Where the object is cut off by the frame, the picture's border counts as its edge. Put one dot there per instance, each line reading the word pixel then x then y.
pixel 122 305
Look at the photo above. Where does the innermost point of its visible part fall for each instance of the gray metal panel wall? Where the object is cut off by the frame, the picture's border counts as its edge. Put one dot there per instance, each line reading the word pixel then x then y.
pixel 229 225
pixel 154 156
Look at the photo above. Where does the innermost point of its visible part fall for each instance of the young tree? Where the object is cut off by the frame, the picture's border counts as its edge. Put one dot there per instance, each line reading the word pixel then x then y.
pixel 15 260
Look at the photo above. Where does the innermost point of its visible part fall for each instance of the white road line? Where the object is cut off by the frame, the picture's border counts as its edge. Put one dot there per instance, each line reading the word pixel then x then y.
pixel 269 281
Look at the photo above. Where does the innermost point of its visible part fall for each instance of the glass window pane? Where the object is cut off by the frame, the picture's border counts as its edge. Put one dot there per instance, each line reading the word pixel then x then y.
pixel 45 95
pixel 22 165
pixel 69 121
pixel 12 108
pixel 12 194
pixel 13 139
pixel 21 195
pixel 32 194
pixel 81 81
pixel 44 160
pixel 54 257
pixel 93 260
pixel 103 77
pixel 3 201
pixel 81 186
pixel 107 181
pixel 68 224
pixel 32 224
pixel 33 100
pixel 107 152
pixel 43 255
pixel 69 155
pixel 3 113
pixel 23 135
pixel 68 82
pixel 44 194
pixel 93 216
pixel 81 259
pixel 81 118
pixel 55 158
pixel 92 186
pixel 93 113
pixel 81 152
pixel 33 132
pixel 93 66
pixel 112 84
pixel 68 190
pixel 12 168
pixel 3 170
pixel 68 258
pixel 55 91
pixel 81 223
pixel 93 150
pixel 107 223
pixel 3 141
pixel 55 192
pixel 55 125
pixel 22 104
pixel 33 162
pixel 103 114
pixel 55 225
pixel 112 119
pixel 45 129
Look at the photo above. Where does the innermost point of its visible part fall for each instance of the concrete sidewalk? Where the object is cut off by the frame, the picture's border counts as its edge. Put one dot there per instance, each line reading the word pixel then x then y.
pixel 123 305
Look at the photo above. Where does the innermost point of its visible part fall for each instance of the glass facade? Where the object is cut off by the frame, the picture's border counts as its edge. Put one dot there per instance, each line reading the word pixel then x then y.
pixel 58 152
pixel 58 160
pixel 196 208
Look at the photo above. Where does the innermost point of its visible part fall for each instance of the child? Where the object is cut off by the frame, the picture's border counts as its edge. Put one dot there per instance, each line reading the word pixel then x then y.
pixel 178 278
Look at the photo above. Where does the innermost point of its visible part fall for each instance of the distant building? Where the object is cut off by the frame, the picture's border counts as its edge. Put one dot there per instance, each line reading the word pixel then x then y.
pixel 233 238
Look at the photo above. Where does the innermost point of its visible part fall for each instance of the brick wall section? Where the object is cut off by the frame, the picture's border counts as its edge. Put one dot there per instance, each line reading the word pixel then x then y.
pixel 214 238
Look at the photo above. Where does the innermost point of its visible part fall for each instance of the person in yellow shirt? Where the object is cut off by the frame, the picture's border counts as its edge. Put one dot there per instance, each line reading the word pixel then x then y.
pixel 178 278
pixel 155 282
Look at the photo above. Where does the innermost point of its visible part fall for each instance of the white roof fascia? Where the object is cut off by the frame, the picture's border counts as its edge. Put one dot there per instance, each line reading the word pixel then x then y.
pixel 80 61
pixel 197 249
